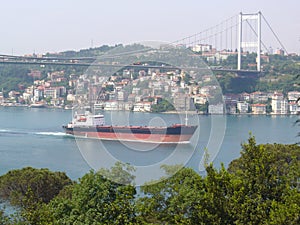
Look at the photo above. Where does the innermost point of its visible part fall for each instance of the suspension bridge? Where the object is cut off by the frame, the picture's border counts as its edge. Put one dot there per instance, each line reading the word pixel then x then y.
pixel 236 36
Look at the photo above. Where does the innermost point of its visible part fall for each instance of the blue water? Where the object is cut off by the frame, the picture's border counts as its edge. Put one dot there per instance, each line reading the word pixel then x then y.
pixel 34 137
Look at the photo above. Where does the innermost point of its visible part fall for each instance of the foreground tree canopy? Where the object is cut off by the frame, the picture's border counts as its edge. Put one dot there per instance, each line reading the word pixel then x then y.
pixel 261 187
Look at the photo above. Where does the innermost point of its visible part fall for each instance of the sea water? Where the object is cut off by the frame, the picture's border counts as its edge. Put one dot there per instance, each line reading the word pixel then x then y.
pixel 34 137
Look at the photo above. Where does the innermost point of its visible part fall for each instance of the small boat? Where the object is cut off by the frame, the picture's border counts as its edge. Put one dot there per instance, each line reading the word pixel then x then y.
pixel 93 126
pixel 37 105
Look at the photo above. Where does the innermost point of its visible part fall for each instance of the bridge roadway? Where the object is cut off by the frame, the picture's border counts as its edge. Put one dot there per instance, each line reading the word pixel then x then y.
pixel 74 62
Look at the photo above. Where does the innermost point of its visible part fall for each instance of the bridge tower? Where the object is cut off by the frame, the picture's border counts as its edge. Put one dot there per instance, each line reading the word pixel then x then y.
pixel 247 44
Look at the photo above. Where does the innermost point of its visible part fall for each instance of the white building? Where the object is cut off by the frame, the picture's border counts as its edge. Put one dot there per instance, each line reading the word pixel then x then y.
pixel 27 96
pixel 293 95
pixel 136 90
pixel 51 93
pixel 111 105
pixel 142 107
pixel 204 90
pixel 38 94
pixel 202 48
pixel 216 109
pixel 258 109
pixel 71 98
pixel 242 107
pixel 279 104
pixel 199 99
pixel 294 108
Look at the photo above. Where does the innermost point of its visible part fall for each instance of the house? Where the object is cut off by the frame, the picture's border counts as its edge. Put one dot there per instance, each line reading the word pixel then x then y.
pixel 259 97
pixel 279 104
pixel 111 105
pixel 142 107
pixel 199 99
pixel 245 96
pixel 294 108
pixel 258 109
pixel 293 95
pixel 216 109
pixel 242 107
pixel 182 102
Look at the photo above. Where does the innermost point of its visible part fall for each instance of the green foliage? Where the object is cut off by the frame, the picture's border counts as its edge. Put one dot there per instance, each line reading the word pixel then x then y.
pixel 120 173
pixel 12 76
pixel 33 212
pixel 3 218
pixel 232 84
pixel 261 187
pixel 162 106
pixel 278 74
pixel 97 200
pixel 109 88
pixel 173 200
pixel 187 78
pixel 202 107
pixel 266 177
pixel 41 183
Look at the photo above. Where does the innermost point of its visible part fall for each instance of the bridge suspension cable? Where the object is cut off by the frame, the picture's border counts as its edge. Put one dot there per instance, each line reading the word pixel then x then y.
pixel 212 34
pixel 282 46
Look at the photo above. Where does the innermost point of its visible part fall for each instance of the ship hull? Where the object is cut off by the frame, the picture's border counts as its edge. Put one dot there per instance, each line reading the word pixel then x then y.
pixel 174 134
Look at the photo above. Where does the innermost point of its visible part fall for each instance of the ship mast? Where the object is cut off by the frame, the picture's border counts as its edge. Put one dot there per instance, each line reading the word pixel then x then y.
pixel 186 118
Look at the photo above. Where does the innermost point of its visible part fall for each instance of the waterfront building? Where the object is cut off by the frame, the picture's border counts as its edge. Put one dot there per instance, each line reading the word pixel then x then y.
pixel 216 109
pixel 128 106
pixel 258 109
pixel 182 102
pixel 111 105
pixel 142 107
pixel 294 108
pixel 1 97
pixel 38 93
pixel 242 107
pixel 231 108
pixel 279 104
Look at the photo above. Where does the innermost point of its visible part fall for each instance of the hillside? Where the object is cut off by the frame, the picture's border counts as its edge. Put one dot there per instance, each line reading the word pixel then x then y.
pixel 280 72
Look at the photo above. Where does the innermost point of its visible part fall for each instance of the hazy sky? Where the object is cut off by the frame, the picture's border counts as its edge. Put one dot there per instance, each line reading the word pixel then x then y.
pixel 58 25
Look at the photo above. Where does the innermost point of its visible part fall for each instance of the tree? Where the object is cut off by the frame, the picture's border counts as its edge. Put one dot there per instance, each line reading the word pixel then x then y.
pixel 266 184
pixel 261 187
pixel 172 201
pixel 3 218
pixel 97 200
pixel 162 106
pixel 41 183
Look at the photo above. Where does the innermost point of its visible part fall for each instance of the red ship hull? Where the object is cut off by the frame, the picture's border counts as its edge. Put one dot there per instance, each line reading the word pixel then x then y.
pixel 174 134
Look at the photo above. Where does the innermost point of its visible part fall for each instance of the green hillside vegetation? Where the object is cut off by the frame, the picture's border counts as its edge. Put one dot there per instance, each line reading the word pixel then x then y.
pixel 260 187
pixel 281 73
pixel 13 76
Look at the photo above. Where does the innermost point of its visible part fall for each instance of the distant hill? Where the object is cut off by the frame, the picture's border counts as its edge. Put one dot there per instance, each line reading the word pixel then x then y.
pixel 280 72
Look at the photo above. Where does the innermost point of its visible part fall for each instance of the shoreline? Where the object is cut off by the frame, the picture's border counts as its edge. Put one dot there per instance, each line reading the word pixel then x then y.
pixel 168 112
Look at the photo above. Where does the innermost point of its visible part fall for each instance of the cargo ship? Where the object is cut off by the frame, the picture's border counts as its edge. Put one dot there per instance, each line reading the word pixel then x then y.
pixel 89 125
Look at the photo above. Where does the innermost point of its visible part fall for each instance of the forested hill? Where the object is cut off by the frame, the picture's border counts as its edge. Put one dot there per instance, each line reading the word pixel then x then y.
pixel 280 73
pixel 91 52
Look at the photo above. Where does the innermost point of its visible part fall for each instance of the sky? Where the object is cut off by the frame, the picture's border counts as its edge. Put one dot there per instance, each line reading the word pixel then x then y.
pixel 35 26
